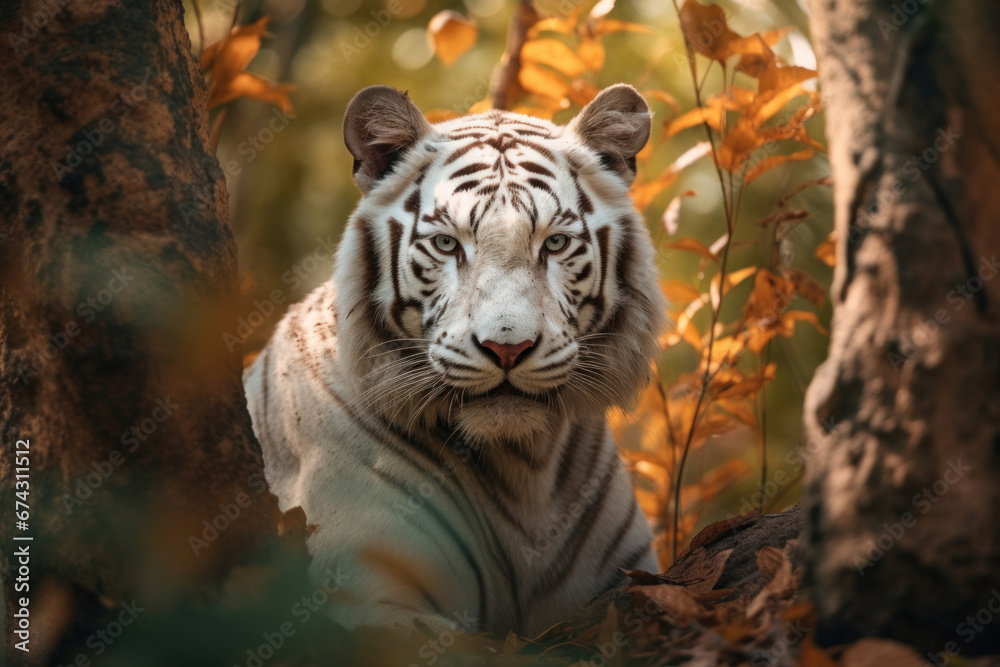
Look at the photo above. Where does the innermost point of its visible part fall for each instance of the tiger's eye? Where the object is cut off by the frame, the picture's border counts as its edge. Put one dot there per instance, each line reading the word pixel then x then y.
pixel 445 243
pixel 556 242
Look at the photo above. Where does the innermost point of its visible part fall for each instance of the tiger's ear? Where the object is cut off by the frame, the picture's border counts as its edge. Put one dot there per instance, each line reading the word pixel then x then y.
pixel 616 125
pixel 380 124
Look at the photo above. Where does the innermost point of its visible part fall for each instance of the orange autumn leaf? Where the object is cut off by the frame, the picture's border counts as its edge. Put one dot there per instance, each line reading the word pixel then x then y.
pixel 705 29
pixel 582 92
pixel 225 62
pixel 643 194
pixel 691 245
pixel 711 115
pixel 555 54
pixel 826 251
pixel 592 53
pixel 543 82
pixel 664 97
pixel 247 84
pixel 608 26
pixel 770 296
pixel 767 164
pixel 805 285
pixel 452 35
pixel 481 106
pixel 678 292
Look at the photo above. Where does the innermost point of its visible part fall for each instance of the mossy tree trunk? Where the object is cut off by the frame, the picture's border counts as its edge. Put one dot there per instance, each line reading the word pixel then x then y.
pixel 116 285
pixel 903 489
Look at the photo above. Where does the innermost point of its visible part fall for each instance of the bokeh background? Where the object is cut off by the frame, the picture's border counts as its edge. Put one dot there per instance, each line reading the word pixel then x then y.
pixel 291 190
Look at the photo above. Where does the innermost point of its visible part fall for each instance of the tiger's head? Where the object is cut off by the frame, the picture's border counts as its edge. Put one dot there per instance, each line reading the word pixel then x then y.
pixel 495 276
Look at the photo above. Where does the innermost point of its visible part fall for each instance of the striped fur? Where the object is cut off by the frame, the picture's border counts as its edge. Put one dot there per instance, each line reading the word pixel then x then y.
pixel 445 487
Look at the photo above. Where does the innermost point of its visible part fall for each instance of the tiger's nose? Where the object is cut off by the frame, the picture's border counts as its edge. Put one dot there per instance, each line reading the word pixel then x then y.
pixel 505 356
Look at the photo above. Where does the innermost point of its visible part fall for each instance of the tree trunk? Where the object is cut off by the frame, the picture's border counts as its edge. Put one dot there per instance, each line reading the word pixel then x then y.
pixel 902 534
pixel 117 282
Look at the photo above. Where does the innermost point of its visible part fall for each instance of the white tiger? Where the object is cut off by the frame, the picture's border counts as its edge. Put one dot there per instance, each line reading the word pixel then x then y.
pixel 437 408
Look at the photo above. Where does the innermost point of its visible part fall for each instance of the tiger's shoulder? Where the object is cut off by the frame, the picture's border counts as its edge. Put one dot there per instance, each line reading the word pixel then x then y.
pixel 293 389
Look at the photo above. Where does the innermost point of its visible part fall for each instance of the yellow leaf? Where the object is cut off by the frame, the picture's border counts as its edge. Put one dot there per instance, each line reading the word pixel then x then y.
pixel 542 82
pixel 452 35
pixel 591 53
pixel 747 386
pixel 664 97
pixel 691 245
pixel 705 29
pixel 554 24
pixel 826 251
pixel 582 92
pixel 733 278
pixel 246 84
pixel 226 61
pixel 643 194
pixel 725 351
pixel 710 115
pixel 231 54
pixel 608 26
pixel 481 106
pixel 805 285
pixel 678 292
pixel 555 54
pixel 809 317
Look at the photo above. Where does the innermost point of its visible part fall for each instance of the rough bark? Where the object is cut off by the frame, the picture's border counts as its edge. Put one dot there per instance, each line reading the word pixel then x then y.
pixel 902 536
pixel 117 279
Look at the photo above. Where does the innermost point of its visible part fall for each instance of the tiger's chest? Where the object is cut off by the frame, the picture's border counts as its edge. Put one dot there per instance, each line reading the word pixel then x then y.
pixel 434 525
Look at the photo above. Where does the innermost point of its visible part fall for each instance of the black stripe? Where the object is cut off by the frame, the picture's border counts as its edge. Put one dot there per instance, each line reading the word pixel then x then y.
pixel 446 527
pixel 626 252
pixel 469 169
pixel 535 168
pixel 584 273
pixel 622 532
